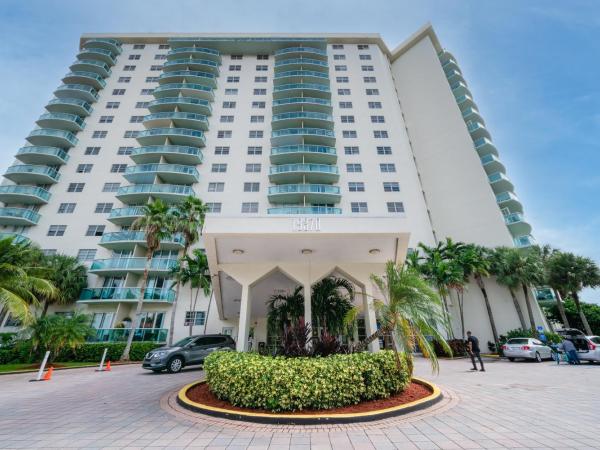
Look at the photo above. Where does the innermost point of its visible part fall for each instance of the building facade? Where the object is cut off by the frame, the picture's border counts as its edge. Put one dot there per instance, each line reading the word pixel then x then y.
pixel 318 155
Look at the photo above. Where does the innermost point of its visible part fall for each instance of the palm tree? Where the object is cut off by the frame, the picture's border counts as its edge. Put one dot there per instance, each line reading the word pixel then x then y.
pixel 330 304
pixel 188 218
pixel 68 276
pixel 157 223
pixel 198 275
pixel 502 269
pixel 546 253
pixel 58 332
pixel 284 310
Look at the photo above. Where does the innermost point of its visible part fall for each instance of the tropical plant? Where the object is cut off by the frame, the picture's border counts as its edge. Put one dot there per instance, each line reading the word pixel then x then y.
pixel 502 268
pixel 591 311
pixel 197 274
pixel 67 275
pixel 59 332
pixel 296 339
pixel 331 300
pixel 157 224
pixel 284 310
pixel 546 254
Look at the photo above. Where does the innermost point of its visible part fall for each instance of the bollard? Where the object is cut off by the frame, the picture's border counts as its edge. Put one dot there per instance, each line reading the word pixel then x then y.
pixel 101 368
pixel 42 367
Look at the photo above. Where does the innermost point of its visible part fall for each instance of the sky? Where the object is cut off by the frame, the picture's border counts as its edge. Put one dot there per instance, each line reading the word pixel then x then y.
pixel 533 68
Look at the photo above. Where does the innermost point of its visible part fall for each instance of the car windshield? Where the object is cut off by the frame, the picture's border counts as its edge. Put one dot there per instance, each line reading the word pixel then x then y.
pixel 518 341
pixel 184 342
pixel 595 339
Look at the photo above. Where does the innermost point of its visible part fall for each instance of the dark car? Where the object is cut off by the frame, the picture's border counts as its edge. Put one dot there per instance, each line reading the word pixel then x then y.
pixel 187 352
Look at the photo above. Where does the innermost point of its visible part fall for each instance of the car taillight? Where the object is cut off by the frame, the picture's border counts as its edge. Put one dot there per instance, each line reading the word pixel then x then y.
pixel 505 347
pixel 591 346
pixel 526 347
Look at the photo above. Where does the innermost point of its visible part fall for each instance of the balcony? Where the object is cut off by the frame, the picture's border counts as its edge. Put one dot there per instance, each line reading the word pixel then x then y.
pixel 51 156
pixel 80 91
pixel 178 119
pixel 120 266
pixel 304 103
pixel 465 101
pixel 302 119
pixel 83 77
pixel 127 240
pixel 98 54
pixel 485 146
pixel 298 193
pixel 61 121
pixel 191 52
pixel 517 225
pixel 301 76
pixel 125 216
pixel 69 106
pixel 157 335
pixel 293 210
pixel 22 194
pixel 48 137
pixel 175 136
pixel 477 130
pixel 185 89
pixel 188 76
pixel 30 174
pixel 104 43
pixel 18 217
pixel 449 64
pixel 509 200
pixel 472 113
pixel 125 294
pixel 524 241
pixel 500 182
pixel 169 173
pixel 290 136
pixel 183 104
pixel 192 64
pixel 301 64
pixel 454 75
pixel 139 193
pixel 175 154
pixel 459 88
pixel 304 173
pixel 90 65
pixel 16 237
pixel 491 164
pixel 303 153
pixel 298 52
pixel 299 89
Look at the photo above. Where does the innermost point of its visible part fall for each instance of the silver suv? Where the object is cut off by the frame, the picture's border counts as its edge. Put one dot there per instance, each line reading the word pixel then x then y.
pixel 189 351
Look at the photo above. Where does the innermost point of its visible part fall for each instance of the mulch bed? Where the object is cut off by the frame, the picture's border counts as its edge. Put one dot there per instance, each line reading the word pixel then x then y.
pixel 201 394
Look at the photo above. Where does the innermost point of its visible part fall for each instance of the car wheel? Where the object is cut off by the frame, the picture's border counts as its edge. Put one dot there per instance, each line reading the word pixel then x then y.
pixel 538 357
pixel 511 359
pixel 175 364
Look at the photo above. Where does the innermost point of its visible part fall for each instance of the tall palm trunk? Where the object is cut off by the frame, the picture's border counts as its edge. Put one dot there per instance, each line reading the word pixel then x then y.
pixel 208 310
pixel 45 309
pixel 561 308
pixel 364 344
pixel 488 306
pixel 138 309
pixel 461 309
pixel 174 307
pixel 192 308
pixel 586 325
pixel 447 314
pixel 518 308
pixel 529 308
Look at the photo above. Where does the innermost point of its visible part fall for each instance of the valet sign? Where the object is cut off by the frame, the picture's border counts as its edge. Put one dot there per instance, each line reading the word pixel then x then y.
pixel 306 224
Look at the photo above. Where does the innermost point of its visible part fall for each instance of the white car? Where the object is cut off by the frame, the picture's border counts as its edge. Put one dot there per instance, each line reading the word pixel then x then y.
pixel 588 347
pixel 526 348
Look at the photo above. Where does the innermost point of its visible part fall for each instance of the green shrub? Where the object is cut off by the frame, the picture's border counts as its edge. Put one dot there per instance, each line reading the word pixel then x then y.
pixel 288 384
pixel 591 311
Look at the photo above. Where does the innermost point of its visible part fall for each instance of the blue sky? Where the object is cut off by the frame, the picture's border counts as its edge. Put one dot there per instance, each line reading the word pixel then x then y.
pixel 532 67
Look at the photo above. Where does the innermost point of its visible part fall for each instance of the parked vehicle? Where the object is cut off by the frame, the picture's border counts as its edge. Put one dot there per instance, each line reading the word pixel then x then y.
pixel 187 352
pixel 588 347
pixel 526 348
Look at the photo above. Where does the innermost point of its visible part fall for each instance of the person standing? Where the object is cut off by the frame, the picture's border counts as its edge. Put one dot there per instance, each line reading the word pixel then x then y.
pixel 474 351
pixel 571 351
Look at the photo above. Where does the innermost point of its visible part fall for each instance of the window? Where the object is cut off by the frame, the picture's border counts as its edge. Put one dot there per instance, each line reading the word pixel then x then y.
pixel 124 80
pixel 380 134
pixel 224 134
pixel 221 150
pixel 257 119
pixel 384 150
pixel 103 208
pixel 84 168
pixel 216 187
pixel 128 68
pixel 139 46
pixel 353 168
pixel 345 105
pixel 260 92
pixel 91 150
pixel 395 207
pixel 349 133
pixel 146 91
pixel 106 119
pixel 75 187
pixel 258 105
pixel 253 167
pixel 213 207
pixel 369 79
pixel 237 57
pixel 250 207
pixel 337 46
pixel 136 119
pixel 112 105
pixel 347 119
pixel 366 68
pixel 342 79
pixel 139 105
pixel 356 186
pixel 131 134
pixel 353 150
pixel 111 187
pixel 262 57
pixel 194 318
pixel 235 68
pixel 372 91
pixel 255 150
pixel 391 186
pixel 363 46
pixel 86 254
pixel 387 167
pixel 226 119
pixel 260 79
pixel 160 56
pixel 99 134
pixel 118 92
pixel 233 79
pixel 364 57
pixel 377 119
pixel 66 208
pixel 118 168
pixel 341 68
pixel 359 207
pixel 262 68
pixel 152 79
pixel 95 230
pixel 375 105
pixel 134 57
pixel 251 187
pixel 56 230
pixel 255 134
pixel 339 57
pixel 156 68
pixel 343 91
pixel 231 91
pixel 163 46
pixel 219 168
pixel 124 150
pixel 229 105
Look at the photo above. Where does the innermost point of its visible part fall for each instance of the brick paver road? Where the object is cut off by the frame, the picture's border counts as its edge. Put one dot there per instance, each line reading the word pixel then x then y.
pixel 512 405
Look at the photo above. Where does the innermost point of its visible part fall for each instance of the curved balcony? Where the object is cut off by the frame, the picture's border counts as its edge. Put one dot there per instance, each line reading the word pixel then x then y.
pixel 176 154
pixel 485 146
pixel 80 91
pixel 300 76
pixel 176 136
pixel 477 130
pixel 297 193
pixel 302 63
pixel 69 106
pixel 188 76
pixel 524 241
pixel 305 153
pixel 169 173
pixel 289 136
pixel 293 210
pixel 104 43
pixel 191 64
pixel 125 216
pixel 191 52
pixel 26 195
pixel 179 119
pixel 302 119
pixel 183 104
pixel 51 156
pixel 139 193
pixel 90 65
pixel 454 75
pixel 500 182
pixel 29 174
pixel 472 113
pixel 83 77
pixel 119 266
pixel 19 217
pixel 299 89
pixel 126 294
pixel 449 63
pixel 185 89
pixel 509 200
pixel 127 240
pixel 52 138
pixel 98 54
pixel 491 164
pixel 306 103
pixel 298 52
pixel 16 237
pixel 459 88
pixel 517 225
pixel 465 101
pixel 61 121
pixel 304 173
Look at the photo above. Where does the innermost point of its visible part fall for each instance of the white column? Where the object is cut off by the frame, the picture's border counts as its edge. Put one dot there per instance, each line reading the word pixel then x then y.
pixel 244 321
pixel 370 317
pixel 307 305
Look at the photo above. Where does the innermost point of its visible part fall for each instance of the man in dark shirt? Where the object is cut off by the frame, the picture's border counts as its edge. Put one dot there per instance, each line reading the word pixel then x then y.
pixel 473 350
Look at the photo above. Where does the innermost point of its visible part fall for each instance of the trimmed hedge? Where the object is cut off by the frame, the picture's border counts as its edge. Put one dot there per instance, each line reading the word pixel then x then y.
pixel 288 384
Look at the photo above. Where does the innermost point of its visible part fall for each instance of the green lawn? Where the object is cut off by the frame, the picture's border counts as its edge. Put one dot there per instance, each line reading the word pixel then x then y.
pixel 14 367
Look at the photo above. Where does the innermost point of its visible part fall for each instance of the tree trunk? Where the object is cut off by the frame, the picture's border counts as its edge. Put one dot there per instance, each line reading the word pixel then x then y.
pixel 529 309
pixel 518 309
pixel 586 325
pixel 447 315
pixel 138 309
pixel 561 309
pixel 192 309
pixel 461 309
pixel 45 309
pixel 488 306
pixel 174 307
pixel 208 310
pixel 363 345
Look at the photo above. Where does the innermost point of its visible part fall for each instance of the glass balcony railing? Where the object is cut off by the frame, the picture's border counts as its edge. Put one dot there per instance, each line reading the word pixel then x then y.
pixel 181 118
pixel 35 174
pixel 98 53
pixel 194 51
pixel 301 62
pixel 123 215
pixel 16 237
pixel 172 153
pixel 184 104
pixel 302 101
pixel 284 168
pixel 514 218
pixel 170 173
pixel 186 89
pixel 121 334
pixel 106 43
pixel 206 78
pixel 15 193
pixel 304 153
pixel 52 138
pixel 80 91
pixel 296 193
pixel 138 237
pixel 303 115
pixel 85 77
pixel 127 294
pixel 506 197
pixel 524 241
pixel 18 216
pixel 305 210
pixel 204 64
pixel 300 51
pixel 320 149
pixel 70 122
pixel 484 146
pixel 301 74
pixel 132 265
pixel 93 66
pixel 35 154
pixel 70 106
pixel 315 87
pixel 464 100
pixel 168 192
pixel 308 135
pixel 182 136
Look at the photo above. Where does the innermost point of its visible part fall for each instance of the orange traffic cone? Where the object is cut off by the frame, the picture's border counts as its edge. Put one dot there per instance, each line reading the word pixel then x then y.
pixel 48 374
pixel 108 366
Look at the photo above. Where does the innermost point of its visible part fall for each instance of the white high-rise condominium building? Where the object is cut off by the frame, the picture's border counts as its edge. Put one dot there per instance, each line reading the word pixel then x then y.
pixel 318 154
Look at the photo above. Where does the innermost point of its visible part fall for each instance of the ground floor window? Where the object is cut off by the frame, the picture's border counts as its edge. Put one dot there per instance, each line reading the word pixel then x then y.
pixel 151 320
pixel 102 320
pixel 194 317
